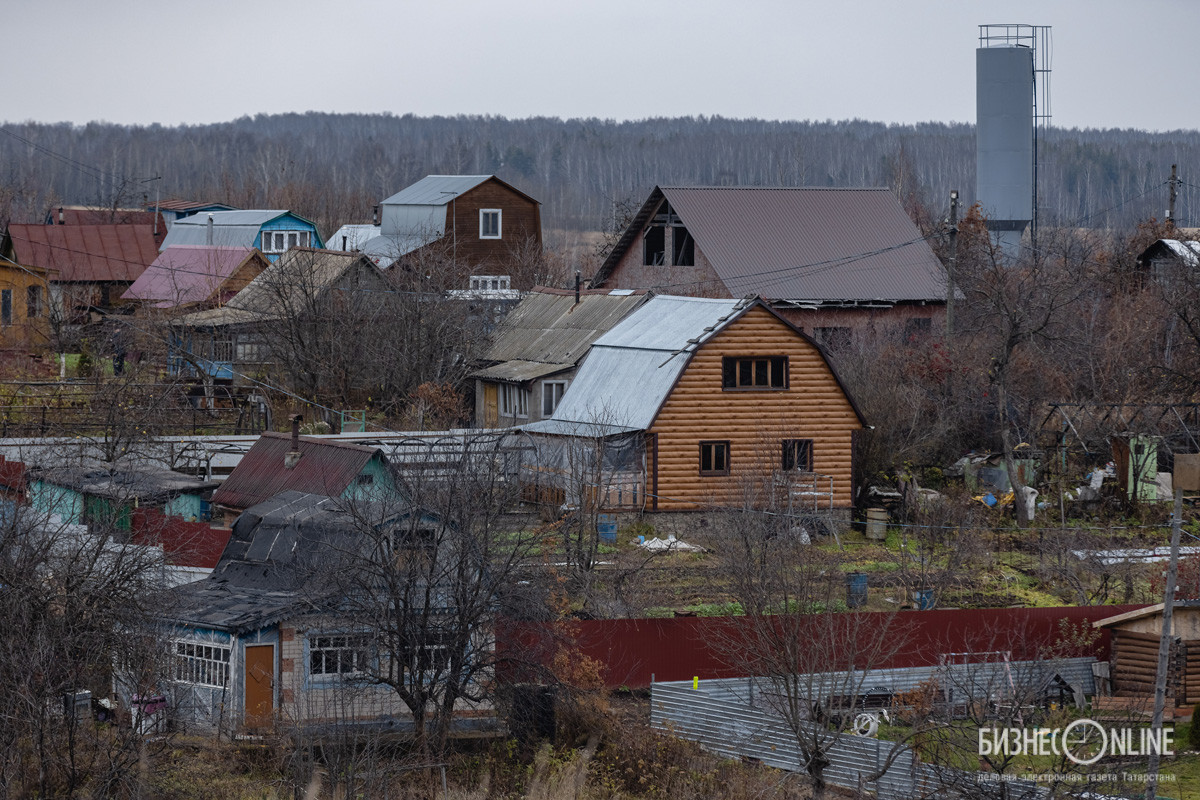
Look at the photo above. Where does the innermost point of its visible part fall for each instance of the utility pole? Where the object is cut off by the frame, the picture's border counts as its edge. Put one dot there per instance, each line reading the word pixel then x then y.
pixel 1164 648
pixel 1171 197
pixel 951 262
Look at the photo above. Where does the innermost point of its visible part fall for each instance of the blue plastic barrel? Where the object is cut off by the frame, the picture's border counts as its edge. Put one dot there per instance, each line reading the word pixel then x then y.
pixel 607 526
pixel 923 599
pixel 856 589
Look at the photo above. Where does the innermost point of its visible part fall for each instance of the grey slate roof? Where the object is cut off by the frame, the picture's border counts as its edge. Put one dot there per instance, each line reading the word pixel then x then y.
pixel 520 371
pixel 148 484
pixel 804 245
pixel 435 190
pixel 288 286
pixel 550 329
pixel 272 564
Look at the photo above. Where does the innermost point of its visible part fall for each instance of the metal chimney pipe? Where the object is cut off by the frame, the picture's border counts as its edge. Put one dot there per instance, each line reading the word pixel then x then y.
pixel 208 238
pixel 60 215
pixel 374 215
pixel 577 287
pixel 292 458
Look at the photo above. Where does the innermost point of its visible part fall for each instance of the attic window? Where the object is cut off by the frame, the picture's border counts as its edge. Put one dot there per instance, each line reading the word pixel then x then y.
pixel 654 246
pixel 491 282
pixel 280 241
pixel 754 373
pixel 489 223
pixel 683 252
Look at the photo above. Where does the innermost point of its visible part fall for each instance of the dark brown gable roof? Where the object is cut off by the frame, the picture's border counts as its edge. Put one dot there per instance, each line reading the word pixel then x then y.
pixel 86 253
pixel 801 244
pixel 325 467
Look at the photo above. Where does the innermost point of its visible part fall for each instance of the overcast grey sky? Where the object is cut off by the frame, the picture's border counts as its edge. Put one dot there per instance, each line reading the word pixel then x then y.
pixel 1116 63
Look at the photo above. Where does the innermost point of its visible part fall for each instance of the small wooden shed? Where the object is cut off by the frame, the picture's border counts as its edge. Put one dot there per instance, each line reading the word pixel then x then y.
pixel 1135 642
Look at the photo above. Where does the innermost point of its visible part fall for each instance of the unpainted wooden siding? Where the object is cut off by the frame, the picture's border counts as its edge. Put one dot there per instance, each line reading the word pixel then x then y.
pixel 520 227
pixel 754 422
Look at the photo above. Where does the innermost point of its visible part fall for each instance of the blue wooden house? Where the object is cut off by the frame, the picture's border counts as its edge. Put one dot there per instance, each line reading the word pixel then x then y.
pixel 265 636
pixel 274 232
pixel 107 496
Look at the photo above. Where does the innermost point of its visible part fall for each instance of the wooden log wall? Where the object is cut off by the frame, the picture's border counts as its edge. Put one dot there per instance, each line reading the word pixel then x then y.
pixel 1135 666
pixel 813 406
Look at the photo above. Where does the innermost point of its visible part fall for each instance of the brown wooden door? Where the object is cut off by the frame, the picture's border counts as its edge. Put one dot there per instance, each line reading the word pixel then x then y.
pixel 260 684
pixel 491 406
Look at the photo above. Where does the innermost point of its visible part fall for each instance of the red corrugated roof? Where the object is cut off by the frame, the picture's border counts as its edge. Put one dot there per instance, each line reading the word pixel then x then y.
pixel 81 215
pixel 325 467
pixel 13 474
pixel 186 544
pixel 86 253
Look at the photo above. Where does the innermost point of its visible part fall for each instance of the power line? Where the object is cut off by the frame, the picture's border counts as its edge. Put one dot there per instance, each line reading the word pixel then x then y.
pixel 87 169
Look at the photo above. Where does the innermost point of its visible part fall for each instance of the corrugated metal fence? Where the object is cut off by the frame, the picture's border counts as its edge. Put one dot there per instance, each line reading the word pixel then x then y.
pixel 725 718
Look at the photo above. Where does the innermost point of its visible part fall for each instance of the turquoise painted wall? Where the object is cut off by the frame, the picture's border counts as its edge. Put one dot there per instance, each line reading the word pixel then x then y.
pixel 375 482
pixel 47 498
pixel 188 506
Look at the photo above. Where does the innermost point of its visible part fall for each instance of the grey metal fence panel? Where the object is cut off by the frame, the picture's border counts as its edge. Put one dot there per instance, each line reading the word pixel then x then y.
pixel 730 718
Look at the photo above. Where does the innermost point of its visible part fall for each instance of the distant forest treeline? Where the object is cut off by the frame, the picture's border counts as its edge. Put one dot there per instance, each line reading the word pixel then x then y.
pixel 333 168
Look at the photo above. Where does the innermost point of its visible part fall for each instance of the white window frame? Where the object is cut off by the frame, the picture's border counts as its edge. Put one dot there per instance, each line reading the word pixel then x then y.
pixel 514 401
pixel 283 236
pixel 202 663
pixel 340 655
pixel 483 215
pixel 562 390
pixel 491 282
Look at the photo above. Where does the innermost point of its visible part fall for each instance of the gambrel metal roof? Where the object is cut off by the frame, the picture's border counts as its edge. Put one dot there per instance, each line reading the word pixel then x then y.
pixel 435 190
pixel 630 370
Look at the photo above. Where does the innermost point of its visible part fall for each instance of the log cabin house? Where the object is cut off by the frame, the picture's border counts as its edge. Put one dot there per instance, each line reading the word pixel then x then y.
pixel 691 403
pixel 1134 661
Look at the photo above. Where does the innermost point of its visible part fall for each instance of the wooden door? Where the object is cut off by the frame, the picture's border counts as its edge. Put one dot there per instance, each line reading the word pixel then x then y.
pixel 260 684
pixel 491 405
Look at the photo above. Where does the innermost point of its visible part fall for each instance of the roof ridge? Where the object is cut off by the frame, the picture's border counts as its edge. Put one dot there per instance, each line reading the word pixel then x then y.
pixel 316 440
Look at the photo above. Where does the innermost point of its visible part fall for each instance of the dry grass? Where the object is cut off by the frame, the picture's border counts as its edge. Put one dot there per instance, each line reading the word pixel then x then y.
pixel 621 760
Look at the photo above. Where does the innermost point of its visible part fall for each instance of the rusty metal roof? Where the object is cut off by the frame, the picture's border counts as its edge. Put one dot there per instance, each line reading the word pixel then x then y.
pixel 549 327
pixel 326 467
pixel 86 215
pixel 800 244
pixel 86 253
pixel 189 205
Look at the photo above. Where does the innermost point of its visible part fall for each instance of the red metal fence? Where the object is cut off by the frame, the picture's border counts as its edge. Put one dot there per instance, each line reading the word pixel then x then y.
pixel 633 651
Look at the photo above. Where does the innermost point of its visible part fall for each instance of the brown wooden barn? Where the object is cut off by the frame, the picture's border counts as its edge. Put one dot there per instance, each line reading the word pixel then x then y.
pixel 704 402
pixel 1135 642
